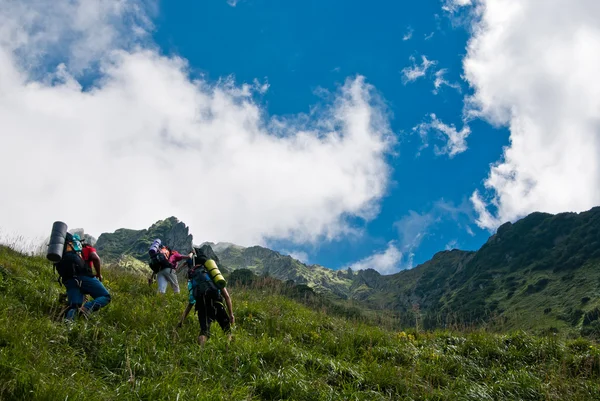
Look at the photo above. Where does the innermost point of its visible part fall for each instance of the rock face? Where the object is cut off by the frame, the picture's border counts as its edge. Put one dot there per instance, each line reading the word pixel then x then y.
pixel 172 232
pixel 88 238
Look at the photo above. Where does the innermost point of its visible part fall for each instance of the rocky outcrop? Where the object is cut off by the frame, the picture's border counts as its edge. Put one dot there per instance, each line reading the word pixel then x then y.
pixel 172 232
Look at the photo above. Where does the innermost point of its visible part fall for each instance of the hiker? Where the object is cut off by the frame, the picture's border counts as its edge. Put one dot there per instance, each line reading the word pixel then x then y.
pixel 78 278
pixel 207 293
pixel 90 256
pixel 206 252
pixel 166 273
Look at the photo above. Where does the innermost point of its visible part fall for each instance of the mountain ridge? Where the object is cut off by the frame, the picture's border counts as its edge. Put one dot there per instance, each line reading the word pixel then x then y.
pixel 514 280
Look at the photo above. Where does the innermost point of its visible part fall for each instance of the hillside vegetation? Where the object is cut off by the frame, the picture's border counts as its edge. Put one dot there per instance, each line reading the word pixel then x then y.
pixel 282 349
pixel 541 273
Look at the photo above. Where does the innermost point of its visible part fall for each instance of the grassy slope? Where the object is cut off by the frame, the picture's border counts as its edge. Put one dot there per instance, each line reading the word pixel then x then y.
pixel 282 350
pixel 542 273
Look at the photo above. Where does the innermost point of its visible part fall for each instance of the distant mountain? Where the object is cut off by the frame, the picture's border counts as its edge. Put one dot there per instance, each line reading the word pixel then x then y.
pixel 263 261
pixel 542 272
pixel 82 234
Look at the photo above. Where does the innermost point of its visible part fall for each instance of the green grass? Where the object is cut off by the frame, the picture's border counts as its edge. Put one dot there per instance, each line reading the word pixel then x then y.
pixel 282 349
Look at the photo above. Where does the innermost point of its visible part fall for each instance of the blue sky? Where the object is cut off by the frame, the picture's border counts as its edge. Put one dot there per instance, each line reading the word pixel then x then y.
pixel 302 46
pixel 344 133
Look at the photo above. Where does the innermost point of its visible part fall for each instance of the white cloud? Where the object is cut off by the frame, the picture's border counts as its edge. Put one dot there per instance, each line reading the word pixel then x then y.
pixel 453 244
pixel 455 141
pixel 408 35
pixel 414 72
pixel 147 142
pixel 413 228
pixel 484 218
pixel 386 262
pixel 441 81
pixel 298 255
pixel 470 231
pixel 534 68
pixel 233 3
pixel 80 32
pixel 454 5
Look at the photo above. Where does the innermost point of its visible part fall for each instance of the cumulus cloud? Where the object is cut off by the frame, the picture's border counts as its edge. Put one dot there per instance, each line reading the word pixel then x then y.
pixel 441 81
pixel 408 35
pixel 386 262
pixel 233 3
pixel 145 141
pixel 534 67
pixel 455 141
pixel 416 71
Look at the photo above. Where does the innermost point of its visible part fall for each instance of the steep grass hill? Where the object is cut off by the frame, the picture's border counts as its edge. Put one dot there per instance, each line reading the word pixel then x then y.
pixel 282 349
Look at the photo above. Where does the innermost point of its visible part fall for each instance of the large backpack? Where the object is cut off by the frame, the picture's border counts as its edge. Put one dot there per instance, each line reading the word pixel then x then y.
pixel 71 263
pixel 202 285
pixel 158 259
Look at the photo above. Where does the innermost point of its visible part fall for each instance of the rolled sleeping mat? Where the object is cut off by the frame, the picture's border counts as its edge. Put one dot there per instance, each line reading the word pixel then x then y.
pixel 56 245
pixel 215 274
pixel 155 247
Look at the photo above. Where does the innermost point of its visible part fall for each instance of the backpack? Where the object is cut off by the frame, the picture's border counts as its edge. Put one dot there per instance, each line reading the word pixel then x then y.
pixel 71 263
pixel 158 258
pixel 202 284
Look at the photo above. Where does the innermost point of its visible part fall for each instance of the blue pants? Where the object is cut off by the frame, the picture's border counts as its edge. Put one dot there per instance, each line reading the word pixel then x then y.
pixel 80 286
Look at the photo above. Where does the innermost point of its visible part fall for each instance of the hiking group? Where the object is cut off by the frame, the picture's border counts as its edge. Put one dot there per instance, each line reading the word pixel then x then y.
pixel 206 285
pixel 74 258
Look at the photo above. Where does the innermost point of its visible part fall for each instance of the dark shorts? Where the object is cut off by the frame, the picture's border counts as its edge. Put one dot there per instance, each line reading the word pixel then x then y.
pixel 210 310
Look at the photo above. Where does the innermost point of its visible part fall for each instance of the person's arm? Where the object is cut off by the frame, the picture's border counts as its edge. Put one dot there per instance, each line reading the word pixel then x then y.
pixel 97 264
pixel 177 257
pixel 228 303
pixel 187 310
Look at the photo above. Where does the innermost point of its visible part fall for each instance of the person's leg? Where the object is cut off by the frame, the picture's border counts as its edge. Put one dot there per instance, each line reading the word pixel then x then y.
pixel 223 319
pixel 162 281
pixel 191 303
pixel 94 287
pixel 203 309
pixel 171 277
pixel 74 298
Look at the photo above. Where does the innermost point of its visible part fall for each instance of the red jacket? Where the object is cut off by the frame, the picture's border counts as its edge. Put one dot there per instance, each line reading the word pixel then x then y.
pixel 86 252
pixel 175 258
